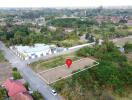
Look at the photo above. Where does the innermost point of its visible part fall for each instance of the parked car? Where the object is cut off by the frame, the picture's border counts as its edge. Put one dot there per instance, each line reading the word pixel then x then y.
pixel 54 92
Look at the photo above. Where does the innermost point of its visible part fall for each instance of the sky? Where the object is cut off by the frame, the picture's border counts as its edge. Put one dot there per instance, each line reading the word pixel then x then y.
pixel 64 3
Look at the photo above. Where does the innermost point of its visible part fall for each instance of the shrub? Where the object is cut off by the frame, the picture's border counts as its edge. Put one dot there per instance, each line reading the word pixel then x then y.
pixel 128 47
pixel 26 85
pixel 37 96
pixel 14 69
pixel 3 93
pixel 16 75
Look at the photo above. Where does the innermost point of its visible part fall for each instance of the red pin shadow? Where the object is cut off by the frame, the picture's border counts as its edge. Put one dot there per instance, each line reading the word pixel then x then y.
pixel 68 62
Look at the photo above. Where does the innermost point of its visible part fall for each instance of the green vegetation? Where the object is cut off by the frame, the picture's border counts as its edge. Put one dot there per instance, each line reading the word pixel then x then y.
pixel 27 85
pixel 109 30
pixel 23 35
pixel 16 74
pixel 111 77
pixel 3 93
pixel 42 65
pixel 1 56
pixel 128 47
pixel 37 96
pixel 72 22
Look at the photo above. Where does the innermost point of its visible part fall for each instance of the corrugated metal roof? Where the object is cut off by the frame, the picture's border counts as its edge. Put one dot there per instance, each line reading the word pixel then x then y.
pixel 31 49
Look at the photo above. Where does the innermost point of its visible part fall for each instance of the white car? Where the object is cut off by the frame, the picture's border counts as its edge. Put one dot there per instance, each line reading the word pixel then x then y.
pixel 54 92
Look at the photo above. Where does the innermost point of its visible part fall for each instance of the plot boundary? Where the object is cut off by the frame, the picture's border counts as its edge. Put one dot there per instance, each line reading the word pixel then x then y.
pixel 94 64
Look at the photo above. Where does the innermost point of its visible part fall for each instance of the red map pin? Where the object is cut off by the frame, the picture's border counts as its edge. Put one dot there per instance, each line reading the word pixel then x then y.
pixel 68 62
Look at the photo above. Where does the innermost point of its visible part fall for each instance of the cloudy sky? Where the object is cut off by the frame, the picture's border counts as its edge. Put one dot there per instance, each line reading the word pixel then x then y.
pixel 64 3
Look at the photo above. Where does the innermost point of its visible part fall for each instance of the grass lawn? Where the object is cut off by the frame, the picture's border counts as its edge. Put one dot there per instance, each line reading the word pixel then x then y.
pixel 54 62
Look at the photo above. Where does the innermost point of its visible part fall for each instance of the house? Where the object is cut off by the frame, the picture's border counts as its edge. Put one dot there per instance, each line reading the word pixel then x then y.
pixel 115 19
pixel 52 28
pixel 68 30
pixel 40 21
pixel 129 22
pixel 16 90
pixel 22 96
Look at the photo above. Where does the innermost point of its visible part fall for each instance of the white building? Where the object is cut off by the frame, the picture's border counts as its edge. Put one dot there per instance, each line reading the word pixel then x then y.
pixel 52 28
pixel 31 52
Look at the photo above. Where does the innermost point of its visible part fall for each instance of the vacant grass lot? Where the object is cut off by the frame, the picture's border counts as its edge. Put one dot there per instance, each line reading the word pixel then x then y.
pixel 54 62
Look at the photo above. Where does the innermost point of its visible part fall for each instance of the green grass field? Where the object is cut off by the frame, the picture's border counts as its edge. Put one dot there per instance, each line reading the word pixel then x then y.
pixel 51 63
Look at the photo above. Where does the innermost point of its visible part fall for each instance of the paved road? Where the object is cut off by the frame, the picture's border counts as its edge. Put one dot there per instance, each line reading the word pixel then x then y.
pixel 35 82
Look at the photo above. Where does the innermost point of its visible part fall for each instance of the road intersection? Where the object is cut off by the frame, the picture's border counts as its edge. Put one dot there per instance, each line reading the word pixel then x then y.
pixel 35 82
pixel 29 75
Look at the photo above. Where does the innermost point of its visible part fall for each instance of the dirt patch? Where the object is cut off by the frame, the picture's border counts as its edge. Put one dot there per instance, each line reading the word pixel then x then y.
pixel 122 41
pixel 56 73
pixel 51 63
pixel 5 71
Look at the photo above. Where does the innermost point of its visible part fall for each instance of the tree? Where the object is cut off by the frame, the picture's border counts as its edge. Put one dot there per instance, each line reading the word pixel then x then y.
pixel 128 47
pixel 112 29
pixel 16 74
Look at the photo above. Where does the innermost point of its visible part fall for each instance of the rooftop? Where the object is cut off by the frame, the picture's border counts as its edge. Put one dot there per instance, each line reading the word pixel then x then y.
pixel 14 87
pixel 35 48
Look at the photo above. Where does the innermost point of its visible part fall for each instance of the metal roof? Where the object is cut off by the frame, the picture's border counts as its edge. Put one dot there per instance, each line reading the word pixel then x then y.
pixel 31 49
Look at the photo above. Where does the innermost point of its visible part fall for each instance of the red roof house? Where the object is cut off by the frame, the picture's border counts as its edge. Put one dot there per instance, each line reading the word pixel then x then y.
pixel 22 96
pixel 13 87
pixel 16 90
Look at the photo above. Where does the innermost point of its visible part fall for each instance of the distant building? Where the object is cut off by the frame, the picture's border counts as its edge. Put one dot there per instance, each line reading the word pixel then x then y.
pixel 68 30
pixel 40 21
pixel 129 23
pixel 52 28
pixel 115 19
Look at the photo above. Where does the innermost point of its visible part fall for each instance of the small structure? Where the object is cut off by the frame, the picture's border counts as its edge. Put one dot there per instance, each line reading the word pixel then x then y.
pixel 58 49
pixel 16 90
pixel 100 42
pixel 68 30
pixel 52 28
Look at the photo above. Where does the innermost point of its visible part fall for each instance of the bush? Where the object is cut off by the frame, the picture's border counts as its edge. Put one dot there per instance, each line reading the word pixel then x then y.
pixel 84 52
pixel 128 47
pixel 3 93
pixel 37 96
pixel 16 74
pixel 26 85
pixel 14 69
pixel 59 86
